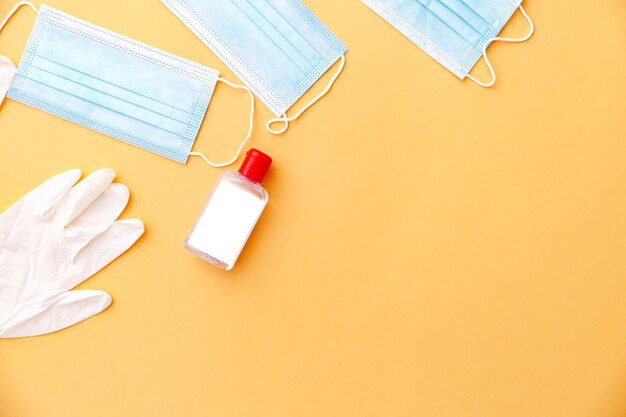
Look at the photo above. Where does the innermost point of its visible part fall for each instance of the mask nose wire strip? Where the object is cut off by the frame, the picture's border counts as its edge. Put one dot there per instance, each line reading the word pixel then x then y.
pixel 15 8
pixel 514 40
pixel 284 119
pixel 207 160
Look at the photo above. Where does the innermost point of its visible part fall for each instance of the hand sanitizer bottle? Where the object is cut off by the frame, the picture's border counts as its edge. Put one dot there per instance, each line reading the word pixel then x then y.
pixel 230 213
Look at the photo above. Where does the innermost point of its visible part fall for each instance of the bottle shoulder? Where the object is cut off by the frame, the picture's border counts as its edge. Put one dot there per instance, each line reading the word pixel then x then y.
pixel 245 184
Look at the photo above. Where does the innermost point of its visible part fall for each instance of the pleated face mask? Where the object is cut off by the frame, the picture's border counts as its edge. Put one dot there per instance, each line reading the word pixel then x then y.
pixel 454 32
pixel 115 85
pixel 278 48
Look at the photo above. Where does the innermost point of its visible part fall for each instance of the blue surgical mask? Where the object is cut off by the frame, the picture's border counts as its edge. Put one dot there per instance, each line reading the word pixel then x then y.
pixel 278 48
pixel 115 85
pixel 454 32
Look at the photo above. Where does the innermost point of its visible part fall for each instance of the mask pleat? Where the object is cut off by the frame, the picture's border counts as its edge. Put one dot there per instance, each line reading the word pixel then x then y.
pixel 467 15
pixel 489 11
pixel 452 21
pixel 102 87
pixel 272 36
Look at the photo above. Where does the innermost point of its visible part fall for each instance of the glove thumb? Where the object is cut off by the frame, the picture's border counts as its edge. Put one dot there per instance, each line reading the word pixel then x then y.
pixel 63 311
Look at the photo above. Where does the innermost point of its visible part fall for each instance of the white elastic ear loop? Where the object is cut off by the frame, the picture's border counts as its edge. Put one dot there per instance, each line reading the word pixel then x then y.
pixel 225 164
pixel 12 12
pixel 286 119
pixel 515 40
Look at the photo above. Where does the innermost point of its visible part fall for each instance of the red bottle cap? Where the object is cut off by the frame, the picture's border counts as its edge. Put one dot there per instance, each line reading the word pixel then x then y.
pixel 255 166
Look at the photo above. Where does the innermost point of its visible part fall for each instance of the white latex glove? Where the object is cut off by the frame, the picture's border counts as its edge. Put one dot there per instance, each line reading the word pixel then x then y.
pixel 51 240
pixel 7 72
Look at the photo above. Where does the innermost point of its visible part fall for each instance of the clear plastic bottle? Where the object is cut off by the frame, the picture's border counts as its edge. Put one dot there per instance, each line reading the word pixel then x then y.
pixel 230 213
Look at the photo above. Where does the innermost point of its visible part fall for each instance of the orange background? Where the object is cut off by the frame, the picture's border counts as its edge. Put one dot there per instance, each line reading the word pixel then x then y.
pixel 431 248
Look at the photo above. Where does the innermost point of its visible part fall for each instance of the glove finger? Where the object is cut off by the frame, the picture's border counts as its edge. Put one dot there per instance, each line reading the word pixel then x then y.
pixel 81 196
pixel 67 309
pixel 7 73
pixel 103 249
pixel 103 211
pixel 38 200
pixel 43 197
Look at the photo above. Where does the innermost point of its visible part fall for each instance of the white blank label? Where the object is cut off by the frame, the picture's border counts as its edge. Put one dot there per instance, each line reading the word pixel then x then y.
pixel 227 222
